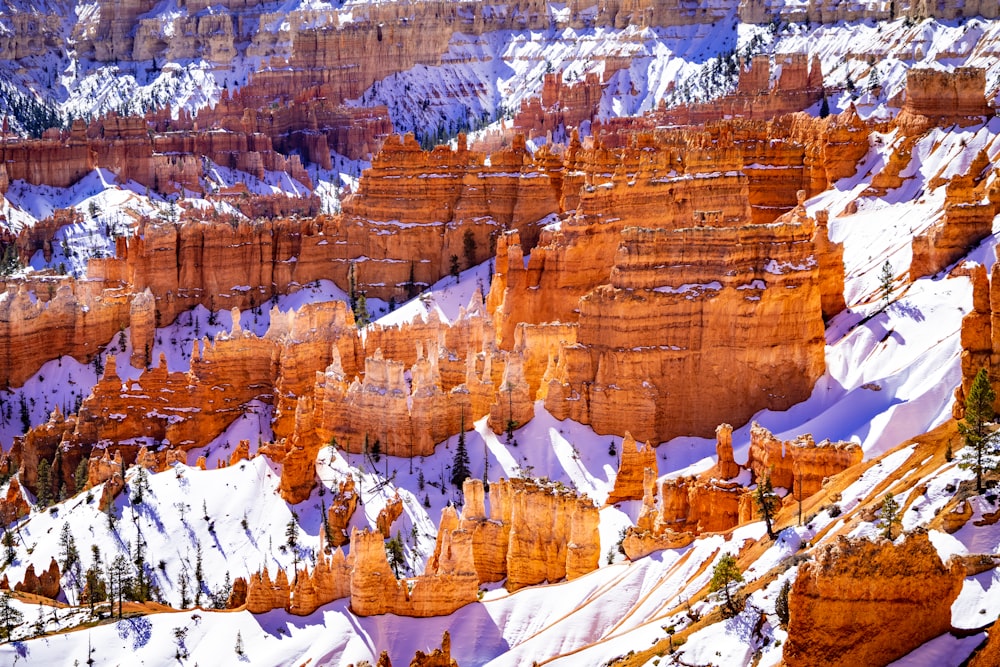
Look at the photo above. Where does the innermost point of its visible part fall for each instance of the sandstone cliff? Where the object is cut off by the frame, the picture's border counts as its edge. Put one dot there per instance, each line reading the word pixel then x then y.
pixel 864 602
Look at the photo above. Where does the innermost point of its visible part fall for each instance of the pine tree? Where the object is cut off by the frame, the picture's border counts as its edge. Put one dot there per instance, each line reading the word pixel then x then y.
pixel 10 617
pixel 767 502
pixel 292 540
pixel 394 553
pixel 9 552
pixel 980 453
pixel 44 484
pixel 889 518
pixel 361 315
pixel 824 108
pixel 460 466
pixel 119 581
pixel 199 574
pixel 885 281
pixel 68 554
pixel 781 603
pixel 725 574
pixel 411 286
pixel 239 644
pixel 454 269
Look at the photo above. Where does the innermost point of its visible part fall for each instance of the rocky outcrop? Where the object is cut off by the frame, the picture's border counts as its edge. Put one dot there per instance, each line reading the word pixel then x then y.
pixel 450 583
pixel 968 219
pixel 45 584
pixel 635 460
pixel 980 337
pixel 725 465
pixel 941 96
pixel 13 506
pixel 762 276
pixel 822 11
pixel 387 515
pixel 800 465
pixel 439 657
pixel 342 506
pixel 675 510
pixel 534 532
pixel 865 602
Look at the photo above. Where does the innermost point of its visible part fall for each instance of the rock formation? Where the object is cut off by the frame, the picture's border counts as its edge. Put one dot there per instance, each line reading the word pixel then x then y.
pixel 635 460
pixel 45 584
pixel 968 219
pixel 946 96
pixel 439 657
pixel 342 506
pixel 387 515
pixel 534 532
pixel 13 506
pixel 865 602
pixel 798 465
pixel 677 509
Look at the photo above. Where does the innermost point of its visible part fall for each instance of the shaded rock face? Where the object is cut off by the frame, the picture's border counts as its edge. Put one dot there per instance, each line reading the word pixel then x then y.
pixel 13 506
pixel 869 603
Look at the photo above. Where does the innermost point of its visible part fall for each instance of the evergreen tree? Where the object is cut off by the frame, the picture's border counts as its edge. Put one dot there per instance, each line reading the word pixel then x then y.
pixel 68 555
pixel 460 466
pixel 239 644
pixel 361 315
pixel 885 281
pixel 824 108
pixel 767 502
pixel 94 589
pixel 394 553
pixel 724 576
pixel 44 484
pixel 889 518
pixel 377 450
pixel 454 269
pixel 10 617
pixel 292 540
pixel 980 453
pixel 9 552
pixel 119 581
pixel 199 574
pixel 781 603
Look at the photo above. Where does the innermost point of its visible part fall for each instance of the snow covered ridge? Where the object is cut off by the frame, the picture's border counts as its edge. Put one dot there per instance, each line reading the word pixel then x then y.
pixel 185 57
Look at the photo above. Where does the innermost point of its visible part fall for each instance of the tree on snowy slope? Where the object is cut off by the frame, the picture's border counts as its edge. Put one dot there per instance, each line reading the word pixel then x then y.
pixel 725 577
pixel 977 429
pixel 768 503
pixel 10 617
pixel 460 466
